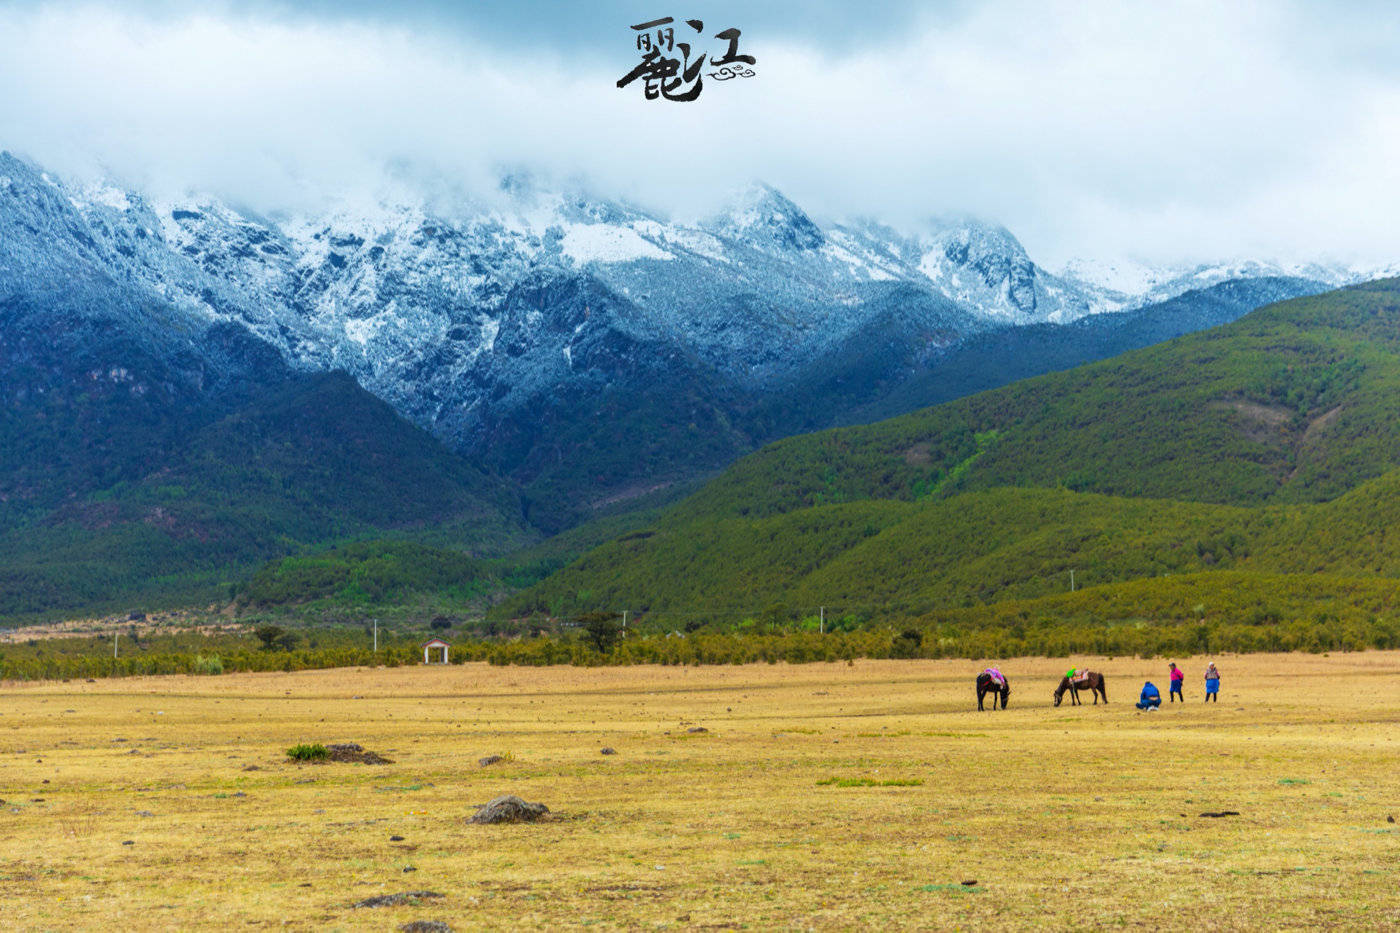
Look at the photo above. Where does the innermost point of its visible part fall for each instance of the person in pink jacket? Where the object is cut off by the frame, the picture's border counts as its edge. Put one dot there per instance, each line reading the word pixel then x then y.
pixel 1178 677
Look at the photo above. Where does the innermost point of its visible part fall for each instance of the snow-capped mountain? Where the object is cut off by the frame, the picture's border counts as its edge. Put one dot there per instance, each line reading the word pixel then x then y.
pixel 516 326
pixel 1143 283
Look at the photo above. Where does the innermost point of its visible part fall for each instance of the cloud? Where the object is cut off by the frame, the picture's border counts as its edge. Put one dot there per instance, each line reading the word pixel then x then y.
pixel 1172 131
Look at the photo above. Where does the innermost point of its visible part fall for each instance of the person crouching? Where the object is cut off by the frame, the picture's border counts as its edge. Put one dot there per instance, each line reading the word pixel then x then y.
pixel 1151 698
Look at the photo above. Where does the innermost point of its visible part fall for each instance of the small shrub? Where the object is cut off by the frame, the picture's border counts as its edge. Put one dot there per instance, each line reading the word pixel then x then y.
pixel 907 643
pixel 305 752
pixel 603 629
pixel 212 664
pixel 268 635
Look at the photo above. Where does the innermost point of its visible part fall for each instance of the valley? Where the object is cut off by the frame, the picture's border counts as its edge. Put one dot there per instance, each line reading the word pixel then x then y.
pixel 455 477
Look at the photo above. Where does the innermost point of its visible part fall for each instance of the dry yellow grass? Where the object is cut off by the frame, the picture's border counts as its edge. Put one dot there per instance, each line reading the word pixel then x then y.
pixel 1072 817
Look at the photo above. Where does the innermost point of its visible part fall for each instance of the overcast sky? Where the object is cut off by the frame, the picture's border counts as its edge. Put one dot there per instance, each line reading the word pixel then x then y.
pixel 1163 131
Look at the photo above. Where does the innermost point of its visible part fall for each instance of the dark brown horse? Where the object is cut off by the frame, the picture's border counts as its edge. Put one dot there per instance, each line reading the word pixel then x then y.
pixel 987 684
pixel 1092 680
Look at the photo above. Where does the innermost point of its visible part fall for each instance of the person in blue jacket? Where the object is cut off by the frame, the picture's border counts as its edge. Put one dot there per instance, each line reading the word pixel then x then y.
pixel 1212 683
pixel 1151 698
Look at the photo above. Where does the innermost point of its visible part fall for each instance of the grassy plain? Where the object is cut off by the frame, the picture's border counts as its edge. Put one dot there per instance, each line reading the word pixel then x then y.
pixel 1079 818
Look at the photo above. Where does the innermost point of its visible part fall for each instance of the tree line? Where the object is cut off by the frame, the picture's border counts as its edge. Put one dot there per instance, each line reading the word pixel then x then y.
pixel 598 639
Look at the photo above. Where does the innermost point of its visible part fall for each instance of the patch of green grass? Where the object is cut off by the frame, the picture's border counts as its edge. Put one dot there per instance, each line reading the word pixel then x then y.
pixel 951 888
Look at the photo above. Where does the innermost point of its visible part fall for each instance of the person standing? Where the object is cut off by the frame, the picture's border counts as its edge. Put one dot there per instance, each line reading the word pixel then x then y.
pixel 1212 683
pixel 1178 677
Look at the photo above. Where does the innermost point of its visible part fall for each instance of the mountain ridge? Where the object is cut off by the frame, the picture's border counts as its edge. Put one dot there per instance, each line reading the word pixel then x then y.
pixel 498 327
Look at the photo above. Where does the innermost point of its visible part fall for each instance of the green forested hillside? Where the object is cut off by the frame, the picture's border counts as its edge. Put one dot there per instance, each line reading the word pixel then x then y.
pixel 313 461
pixel 909 559
pixel 1265 447
pixel 1294 402
pixel 369 573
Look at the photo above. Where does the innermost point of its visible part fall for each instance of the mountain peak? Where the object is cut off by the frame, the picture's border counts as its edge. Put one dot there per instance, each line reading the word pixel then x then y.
pixel 762 210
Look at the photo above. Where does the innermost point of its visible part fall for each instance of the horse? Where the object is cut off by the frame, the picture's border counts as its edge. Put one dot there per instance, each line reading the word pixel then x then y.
pixel 986 684
pixel 1092 679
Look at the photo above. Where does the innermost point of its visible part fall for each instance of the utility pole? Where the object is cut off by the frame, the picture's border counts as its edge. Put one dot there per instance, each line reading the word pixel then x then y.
pixel 376 636
pixel 821 622
pixel 1071 581
pixel 624 620
pixel 115 635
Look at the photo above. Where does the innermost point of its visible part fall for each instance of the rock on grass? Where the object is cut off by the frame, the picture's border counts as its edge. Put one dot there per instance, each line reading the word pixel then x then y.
pixel 509 808
pixel 398 900
pixel 354 752
pixel 425 926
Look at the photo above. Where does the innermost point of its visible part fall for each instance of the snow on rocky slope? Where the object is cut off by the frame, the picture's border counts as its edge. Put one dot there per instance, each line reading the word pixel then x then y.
pixel 466 316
